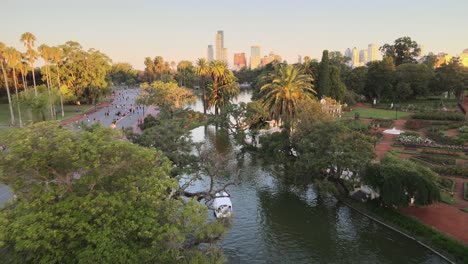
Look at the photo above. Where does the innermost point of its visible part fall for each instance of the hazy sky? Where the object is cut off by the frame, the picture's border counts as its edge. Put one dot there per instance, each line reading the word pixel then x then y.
pixel 128 31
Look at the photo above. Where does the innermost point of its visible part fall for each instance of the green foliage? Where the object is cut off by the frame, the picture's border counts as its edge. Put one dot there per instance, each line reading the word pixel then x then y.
pixel 276 146
pixel 451 78
pixel 380 79
pixel 375 113
pixel 412 80
pixel 324 81
pixel 400 180
pixel 186 76
pixel 446 184
pixel 416 228
pixel 337 87
pixel 404 50
pixel 356 80
pixel 382 122
pixel 168 96
pixel 289 85
pixel 122 73
pixel 439 115
pixel 88 197
pixel 447 198
pixel 331 149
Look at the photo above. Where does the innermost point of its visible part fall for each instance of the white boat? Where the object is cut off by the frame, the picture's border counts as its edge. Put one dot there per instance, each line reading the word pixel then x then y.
pixel 222 205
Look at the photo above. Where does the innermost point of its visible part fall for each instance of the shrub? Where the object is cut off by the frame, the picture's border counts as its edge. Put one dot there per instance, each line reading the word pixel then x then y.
pixel 453 116
pixel 440 138
pixel 463 130
pixel 440 152
pixel 416 124
pixel 382 122
pixel 447 184
pixel 438 160
pixel 450 170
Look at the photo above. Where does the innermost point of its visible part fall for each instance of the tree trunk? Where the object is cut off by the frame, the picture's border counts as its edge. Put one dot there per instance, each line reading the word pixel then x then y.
pixel 17 99
pixel 60 91
pixel 12 115
pixel 204 95
pixel 48 92
pixel 34 79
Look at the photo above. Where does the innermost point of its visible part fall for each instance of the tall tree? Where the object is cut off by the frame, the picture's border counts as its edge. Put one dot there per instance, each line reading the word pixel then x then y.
pixel 416 77
pixel 288 86
pixel 380 79
pixel 404 50
pixel 5 79
pixel 323 84
pixel 28 40
pixel 203 70
pixel 159 67
pixel 57 56
pixel 356 80
pixel 337 87
pixel 219 74
pixel 13 58
pixel 451 78
pixel 45 53
pixel 149 69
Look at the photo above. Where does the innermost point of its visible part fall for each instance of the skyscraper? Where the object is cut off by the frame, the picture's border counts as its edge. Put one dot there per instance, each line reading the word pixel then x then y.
pixel 355 58
pixel 348 53
pixel 255 57
pixel 363 57
pixel 372 52
pixel 219 45
pixel 299 59
pixel 225 55
pixel 209 53
pixel 239 61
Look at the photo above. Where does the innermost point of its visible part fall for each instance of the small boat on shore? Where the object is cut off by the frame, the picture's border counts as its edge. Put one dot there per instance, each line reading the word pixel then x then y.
pixel 222 205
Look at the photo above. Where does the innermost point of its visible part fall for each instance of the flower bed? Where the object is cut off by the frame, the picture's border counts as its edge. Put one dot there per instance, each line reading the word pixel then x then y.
pixel 447 184
pixel 382 122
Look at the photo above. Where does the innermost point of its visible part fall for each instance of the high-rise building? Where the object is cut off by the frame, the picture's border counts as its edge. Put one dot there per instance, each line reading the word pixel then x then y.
pixel 210 54
pixel 299 59
pixel 463 58
pixel 270 58
pixel 355 58
pixel 225 55
pixel 348 53
pixel 372 52
pixel 239 61
pixel 255 57
pixel 219 45
pixel 363 57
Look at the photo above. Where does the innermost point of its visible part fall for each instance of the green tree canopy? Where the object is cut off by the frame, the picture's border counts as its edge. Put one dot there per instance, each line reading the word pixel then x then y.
pixel 404 50
pixel 324 82
pixel 89 197
pixel 400 180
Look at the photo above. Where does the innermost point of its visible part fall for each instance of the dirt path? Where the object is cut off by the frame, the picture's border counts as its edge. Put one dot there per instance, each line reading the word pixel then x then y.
pixel 385 145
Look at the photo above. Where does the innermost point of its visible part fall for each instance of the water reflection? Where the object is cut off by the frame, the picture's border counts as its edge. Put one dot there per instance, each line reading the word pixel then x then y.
pixel 279 222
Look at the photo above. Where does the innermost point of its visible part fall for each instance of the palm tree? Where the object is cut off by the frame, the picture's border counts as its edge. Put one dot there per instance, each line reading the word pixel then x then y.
pixel 289 85
pixel 203 70
pixel 219 74
pixel 13 58
pixel 159 66
pixel 5 79
pixel 45 53
pixel 28 39
pixel 57 56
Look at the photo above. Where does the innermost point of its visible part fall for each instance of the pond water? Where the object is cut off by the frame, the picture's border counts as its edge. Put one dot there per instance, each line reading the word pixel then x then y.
pixel 275 222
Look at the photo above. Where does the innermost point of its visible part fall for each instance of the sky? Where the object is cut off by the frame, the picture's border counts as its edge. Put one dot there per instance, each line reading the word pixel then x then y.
pixel 129 31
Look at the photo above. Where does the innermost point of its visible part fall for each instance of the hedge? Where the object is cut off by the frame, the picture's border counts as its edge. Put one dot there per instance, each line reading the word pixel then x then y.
pixel 447 184
pixel 452 116
pixel 382 122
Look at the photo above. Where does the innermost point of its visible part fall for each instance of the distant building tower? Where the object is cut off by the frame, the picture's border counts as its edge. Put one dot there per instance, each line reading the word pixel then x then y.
pixel 219 45
pixel 355 58
pixel 255 57
pixel 299 59
pixel 463 58
pixel 372 52
pixel 363 57
pixel 348 53
pixel 239 61
pixel 225 55
pixel 210 54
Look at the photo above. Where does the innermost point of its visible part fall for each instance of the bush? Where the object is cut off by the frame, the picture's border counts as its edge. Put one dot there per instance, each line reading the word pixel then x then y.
pixel 451 170
pixel 382 122
pixel 416 124
pixel 438 160
pixel 357 125
pixel 453 116
pixel 463 130
pixel 440 138
pixel 440 152
pixel 447 184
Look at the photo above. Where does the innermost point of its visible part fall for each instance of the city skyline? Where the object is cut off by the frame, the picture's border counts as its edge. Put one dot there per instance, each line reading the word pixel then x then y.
pixel 140 31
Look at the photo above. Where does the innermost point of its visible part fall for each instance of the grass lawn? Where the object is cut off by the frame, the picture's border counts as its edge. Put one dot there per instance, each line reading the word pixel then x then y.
pixel 376 113
pixel 447 198
pixel 69 110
